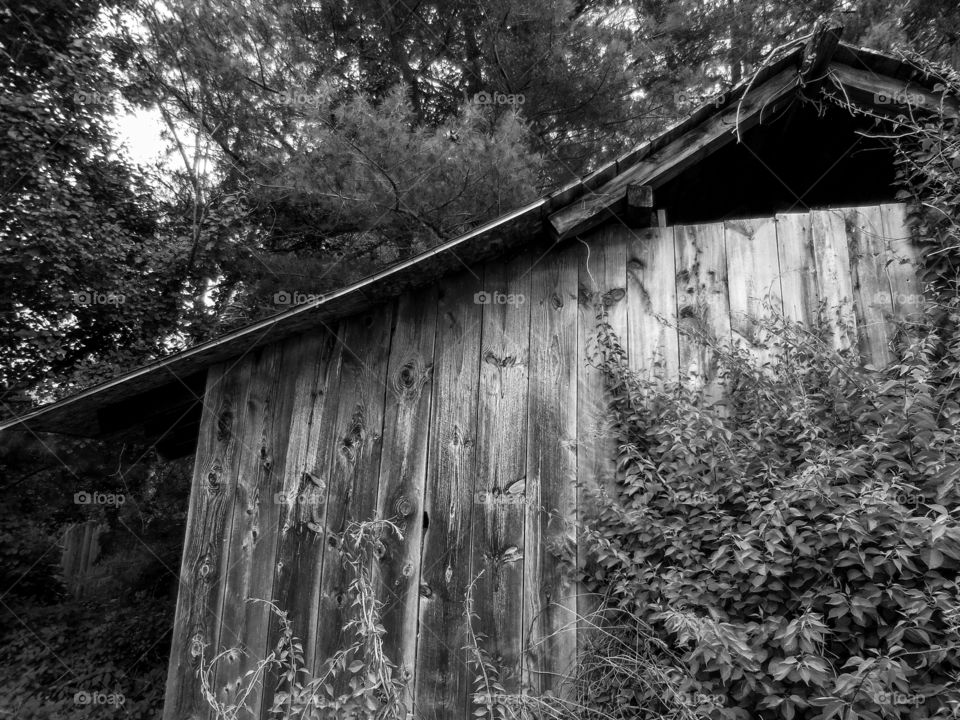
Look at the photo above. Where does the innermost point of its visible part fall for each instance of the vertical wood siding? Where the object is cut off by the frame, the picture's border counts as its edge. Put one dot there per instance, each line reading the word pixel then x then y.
pixel 468 412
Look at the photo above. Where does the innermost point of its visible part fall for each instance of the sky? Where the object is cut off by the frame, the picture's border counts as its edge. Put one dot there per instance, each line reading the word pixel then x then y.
pixel 140 131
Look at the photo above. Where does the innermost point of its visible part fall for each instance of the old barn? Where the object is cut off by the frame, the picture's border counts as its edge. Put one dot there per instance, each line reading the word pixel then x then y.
pixel 453 393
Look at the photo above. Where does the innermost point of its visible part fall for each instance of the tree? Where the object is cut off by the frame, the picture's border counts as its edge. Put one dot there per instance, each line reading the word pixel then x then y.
pixel 82 272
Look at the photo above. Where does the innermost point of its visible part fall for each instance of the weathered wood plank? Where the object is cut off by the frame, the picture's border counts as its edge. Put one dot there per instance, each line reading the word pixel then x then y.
pixel 702 304
pixel 889 95
pixel 602 279
pixel 403 470
pixel 354 464
pixel 652 342
pixel 212 494
pixel 753 282
pixel 443 679
pixel 904 262
pixel 834 284
pixel 302 495
pixel 550 607
pixel 798 268
pixel 255 527
pixel 498 526
pixel 871 286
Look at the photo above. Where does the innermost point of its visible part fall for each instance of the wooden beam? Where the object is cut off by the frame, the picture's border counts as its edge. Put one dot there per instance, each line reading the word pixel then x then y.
pixel 639 199
pixel 888 95
pixel 823 43
pixel 714 133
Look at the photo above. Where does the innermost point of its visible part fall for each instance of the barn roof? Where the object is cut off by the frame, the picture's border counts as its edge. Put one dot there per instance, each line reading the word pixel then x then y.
pixel 820 60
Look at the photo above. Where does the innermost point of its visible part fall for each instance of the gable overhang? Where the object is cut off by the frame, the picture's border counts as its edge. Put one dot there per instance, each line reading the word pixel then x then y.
pixel 174 384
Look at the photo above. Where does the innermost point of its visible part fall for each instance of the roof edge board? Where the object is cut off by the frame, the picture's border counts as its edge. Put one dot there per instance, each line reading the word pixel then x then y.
pixel 889 94
pixel 660 166
pixel 266 326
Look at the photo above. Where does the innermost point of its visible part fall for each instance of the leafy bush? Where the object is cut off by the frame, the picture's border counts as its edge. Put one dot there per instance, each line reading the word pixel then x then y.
pixel 798 545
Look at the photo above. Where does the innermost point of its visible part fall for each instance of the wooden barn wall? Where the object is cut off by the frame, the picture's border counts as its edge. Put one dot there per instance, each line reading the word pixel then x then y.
pixel 465 420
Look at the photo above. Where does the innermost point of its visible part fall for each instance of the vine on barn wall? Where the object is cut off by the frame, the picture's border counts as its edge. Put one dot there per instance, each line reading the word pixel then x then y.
pixel 359 681
pixel 799 549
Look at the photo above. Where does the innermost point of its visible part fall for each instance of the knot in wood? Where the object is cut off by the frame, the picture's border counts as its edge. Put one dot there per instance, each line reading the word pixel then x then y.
pixel 224 426
pixel 196 645
pixel 407 570
pixel 613 296
pixel 404 506
pixel 425 590
pixel 214 485
pixel 584 295
pixel 408 379
pixel 556 301
pixel 501 362
pixel 379 549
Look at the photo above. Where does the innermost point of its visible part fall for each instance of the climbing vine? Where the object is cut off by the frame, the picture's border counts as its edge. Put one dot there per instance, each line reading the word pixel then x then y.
pixel 358 681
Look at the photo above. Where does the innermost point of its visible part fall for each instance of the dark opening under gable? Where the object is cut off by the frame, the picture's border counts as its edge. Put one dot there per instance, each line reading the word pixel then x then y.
pixel 805 157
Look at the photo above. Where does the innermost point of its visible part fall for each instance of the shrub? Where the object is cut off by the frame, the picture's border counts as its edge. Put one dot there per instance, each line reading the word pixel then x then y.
pixel 797 545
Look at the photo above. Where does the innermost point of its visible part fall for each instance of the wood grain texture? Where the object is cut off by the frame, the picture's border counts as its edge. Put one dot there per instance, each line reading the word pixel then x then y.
pixel 500 491
pixel 196 631
pixel 253 538
pixel 871 286
pixel 354 468
pixel 443 679
pixel 798 268
pixel 403 468
pixel 834 283
pixel 652 341
pixel 702 304
pixel 904 263
pixel 753 283
pixel 550 603
pixel 602 279
pixel 302 495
